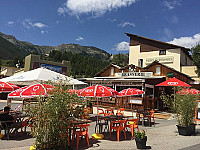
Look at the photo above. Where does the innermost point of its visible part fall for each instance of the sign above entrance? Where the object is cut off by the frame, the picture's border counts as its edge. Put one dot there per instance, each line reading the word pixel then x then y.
pixel 137 74
pixel 170 74
pixel 169 59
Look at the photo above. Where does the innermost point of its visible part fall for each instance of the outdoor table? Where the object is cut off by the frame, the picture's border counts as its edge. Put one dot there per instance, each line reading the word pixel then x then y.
pixel 80 121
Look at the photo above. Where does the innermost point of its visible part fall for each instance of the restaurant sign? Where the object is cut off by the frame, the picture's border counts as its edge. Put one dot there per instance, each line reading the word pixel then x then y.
pixel 169 59
pixel 137 74
pixel 170 74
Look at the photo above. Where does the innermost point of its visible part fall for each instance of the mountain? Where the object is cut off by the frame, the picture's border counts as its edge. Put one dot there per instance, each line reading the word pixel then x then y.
pixel 24 48
pixel 8 50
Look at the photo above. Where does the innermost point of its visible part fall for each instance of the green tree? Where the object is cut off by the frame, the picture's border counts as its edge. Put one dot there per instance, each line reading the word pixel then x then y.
pixel 120 60
pixel 196 57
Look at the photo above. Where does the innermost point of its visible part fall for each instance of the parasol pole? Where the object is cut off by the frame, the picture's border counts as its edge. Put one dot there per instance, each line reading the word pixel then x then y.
pixel 97 136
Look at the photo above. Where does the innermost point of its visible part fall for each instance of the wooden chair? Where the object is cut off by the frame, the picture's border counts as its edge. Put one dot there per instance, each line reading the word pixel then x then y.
pixel 132 126
pixel 151 116
pixel 83 131
pixel 100 111
pixel 120 111
pixel 118 126
pixel 28 123
pixel 109 112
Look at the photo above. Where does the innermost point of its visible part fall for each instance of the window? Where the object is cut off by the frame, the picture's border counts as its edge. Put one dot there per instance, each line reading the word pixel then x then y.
pixel 158 70
pixel 140 63
pixel 162 52
pixel 112 71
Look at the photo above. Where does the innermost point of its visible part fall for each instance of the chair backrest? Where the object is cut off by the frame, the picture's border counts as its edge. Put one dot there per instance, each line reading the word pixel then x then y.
pixel 29 122
pixel 119 123
pixel 151 112
pixel 109 112
pixel 120 111
pixel 83 127
pixel 100 111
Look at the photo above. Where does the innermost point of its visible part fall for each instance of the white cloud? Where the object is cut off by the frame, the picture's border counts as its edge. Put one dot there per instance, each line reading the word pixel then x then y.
pixel 94 7
pixel 29 23
pixel 126 24
pixel 187 42
pixel 172 4
pixel 10 22
pixel 44 31
pixel 79 39
pixel 39 25
pixel 122 46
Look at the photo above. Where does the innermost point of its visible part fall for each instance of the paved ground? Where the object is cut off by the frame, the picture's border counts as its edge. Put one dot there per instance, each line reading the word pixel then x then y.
pixel 163 136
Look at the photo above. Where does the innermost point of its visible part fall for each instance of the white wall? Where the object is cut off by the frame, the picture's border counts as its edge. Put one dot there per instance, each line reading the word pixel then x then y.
pixel 135 54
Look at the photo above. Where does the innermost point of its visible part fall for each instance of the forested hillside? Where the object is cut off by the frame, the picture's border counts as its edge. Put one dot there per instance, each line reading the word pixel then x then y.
pixel 81 65
pixel 9 50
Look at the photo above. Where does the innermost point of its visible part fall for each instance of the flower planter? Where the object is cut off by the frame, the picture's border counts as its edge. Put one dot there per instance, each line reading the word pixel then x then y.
pixel 141 143
pixel 186 131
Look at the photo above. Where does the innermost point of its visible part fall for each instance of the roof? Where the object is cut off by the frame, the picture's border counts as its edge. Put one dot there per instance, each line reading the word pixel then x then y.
pixel 106 69
pixel 164 43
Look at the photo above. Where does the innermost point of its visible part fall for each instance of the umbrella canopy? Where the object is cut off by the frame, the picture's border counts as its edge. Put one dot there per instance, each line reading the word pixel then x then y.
pixel 173 82
pixel 97 91
pixel 31 91
pixel 188 91
pixel 7 87
pixel 130 92
pixel 39 75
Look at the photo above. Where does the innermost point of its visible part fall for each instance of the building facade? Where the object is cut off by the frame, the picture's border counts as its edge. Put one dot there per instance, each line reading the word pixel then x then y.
pixel 34 62
pixel 144 51
pixel 150 62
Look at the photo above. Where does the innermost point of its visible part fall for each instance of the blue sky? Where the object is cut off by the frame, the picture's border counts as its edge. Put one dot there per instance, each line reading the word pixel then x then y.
pixel 101 23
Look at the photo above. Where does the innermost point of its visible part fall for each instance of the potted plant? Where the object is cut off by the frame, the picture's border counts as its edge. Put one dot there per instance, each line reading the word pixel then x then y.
pixel 140 139
pixel 184 108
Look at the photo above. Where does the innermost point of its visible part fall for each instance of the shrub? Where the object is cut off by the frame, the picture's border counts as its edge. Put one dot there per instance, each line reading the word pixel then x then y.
pixel 54 114
pixel 182 105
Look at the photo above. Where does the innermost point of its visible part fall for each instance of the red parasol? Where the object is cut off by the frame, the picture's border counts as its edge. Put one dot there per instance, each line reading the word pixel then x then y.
pixel 97 91
pixel 31 91
pixel 130 92
pixel 173 82
pixel 188 91
pixel 7 87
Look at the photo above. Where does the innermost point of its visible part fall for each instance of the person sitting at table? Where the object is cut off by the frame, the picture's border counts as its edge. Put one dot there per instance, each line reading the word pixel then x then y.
pixel 5 116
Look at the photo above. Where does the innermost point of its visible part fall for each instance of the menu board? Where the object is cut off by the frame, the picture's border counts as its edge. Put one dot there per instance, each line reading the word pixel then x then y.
pixel 136 101
pixel 198 110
